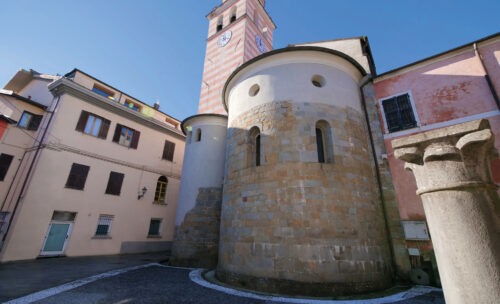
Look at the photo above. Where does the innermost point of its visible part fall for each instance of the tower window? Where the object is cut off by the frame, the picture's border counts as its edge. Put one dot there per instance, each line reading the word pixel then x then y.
pixel 254 90
pixel 254 149
pixel 398 113
pixel 219 24
pixel 233 15
pixel 198 135
pixel 324 142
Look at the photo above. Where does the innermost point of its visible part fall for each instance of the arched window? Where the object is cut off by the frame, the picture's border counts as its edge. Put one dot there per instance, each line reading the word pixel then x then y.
pixel 254 147
pixel 198 135
pixel 219 24
pixel 324 142
pixel 161 189
pixel 233 15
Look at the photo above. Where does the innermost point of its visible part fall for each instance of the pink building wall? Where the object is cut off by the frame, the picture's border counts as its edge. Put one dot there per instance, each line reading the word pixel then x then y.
pixel 445 90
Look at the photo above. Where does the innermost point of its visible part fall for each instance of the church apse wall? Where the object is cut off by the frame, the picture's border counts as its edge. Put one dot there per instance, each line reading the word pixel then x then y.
pixel 294 220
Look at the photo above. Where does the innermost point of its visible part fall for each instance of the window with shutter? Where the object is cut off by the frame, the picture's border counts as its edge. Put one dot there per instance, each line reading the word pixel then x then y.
pixel 398 112
pixel 92 124
pixel 77 176
pixel 115 182
pixel 30 121
pixel 5 160
pixel 168 151
pixel 126 136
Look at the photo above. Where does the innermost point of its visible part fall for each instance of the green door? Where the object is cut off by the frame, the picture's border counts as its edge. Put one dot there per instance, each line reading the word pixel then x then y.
pixel 56 238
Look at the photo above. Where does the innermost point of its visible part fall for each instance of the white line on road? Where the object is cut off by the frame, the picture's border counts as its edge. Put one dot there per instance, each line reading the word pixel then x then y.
pixel 197 277
pixel 72 285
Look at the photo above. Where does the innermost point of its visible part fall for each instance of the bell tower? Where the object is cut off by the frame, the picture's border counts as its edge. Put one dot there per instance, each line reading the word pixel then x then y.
pixel 238 31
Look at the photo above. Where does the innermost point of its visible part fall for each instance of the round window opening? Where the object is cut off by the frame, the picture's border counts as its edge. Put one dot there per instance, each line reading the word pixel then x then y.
pixel 318 81
pixel 254 90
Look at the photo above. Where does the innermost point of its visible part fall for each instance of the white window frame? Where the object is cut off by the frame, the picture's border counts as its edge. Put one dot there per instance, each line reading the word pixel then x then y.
pixel 414 109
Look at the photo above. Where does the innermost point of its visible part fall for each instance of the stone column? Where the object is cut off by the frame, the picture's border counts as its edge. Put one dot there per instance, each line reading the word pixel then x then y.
pixel 452 170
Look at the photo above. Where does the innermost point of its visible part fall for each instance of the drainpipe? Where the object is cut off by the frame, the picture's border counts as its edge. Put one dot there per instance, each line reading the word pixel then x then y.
pixel 487 76
pixel 365 80
pixel 37 151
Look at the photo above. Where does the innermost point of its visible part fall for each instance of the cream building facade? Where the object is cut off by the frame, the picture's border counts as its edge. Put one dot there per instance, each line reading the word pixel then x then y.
pixel 99 175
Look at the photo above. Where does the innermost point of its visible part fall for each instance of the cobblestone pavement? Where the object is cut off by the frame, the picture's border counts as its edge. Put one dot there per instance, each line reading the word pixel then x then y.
pixel 160 284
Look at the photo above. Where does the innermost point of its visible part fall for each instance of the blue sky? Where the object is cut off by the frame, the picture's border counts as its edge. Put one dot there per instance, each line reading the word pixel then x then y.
pixel 154 49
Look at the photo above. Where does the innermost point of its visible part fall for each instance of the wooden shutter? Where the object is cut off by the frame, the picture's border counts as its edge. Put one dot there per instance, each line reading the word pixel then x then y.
pixel 116 136
pixel 80 126
pixel 135 139
pixel 168 151
pixel 103 132
pixel 115 183
pixel 5 160
pixel 77 176
pixel 35 122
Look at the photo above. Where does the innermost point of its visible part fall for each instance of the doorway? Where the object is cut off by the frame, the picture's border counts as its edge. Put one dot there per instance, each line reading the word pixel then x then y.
pixel 58 233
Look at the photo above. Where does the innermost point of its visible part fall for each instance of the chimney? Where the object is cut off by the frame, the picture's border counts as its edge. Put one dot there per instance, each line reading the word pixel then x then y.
pixel 157 105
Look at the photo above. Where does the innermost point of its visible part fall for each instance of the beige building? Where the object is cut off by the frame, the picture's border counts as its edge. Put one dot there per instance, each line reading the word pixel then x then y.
pixel 86 169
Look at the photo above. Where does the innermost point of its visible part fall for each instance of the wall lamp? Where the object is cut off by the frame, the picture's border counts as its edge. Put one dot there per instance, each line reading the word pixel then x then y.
pixel 144 189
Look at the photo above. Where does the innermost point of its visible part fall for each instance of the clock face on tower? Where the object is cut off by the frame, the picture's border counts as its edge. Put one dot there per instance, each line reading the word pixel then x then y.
pixel 224 38
pixel 260 44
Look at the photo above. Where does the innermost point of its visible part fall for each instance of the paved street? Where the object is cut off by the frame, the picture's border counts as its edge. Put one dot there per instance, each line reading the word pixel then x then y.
pixel 152 283
pixel 21 278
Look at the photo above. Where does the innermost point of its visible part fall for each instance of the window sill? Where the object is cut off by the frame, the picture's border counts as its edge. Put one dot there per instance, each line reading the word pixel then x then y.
pixel 113 194
pixel 91 135
pixel 73 188
pixel 101 237
pixel 160 203
pixel 154 236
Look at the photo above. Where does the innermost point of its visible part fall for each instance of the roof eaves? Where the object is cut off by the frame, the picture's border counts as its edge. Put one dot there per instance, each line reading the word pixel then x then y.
pixel 439 54
pixel 80 71
pixel 22 98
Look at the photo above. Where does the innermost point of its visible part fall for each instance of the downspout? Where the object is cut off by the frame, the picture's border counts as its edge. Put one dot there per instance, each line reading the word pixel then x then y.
pixel 363 82
pixel 487 76
pixel 37 151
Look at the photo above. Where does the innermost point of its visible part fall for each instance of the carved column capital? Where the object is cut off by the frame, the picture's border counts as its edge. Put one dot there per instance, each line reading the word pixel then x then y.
pixel 451 158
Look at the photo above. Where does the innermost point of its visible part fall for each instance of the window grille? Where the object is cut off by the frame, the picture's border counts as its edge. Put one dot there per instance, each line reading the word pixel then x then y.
pixel 399 113
pixel 104 225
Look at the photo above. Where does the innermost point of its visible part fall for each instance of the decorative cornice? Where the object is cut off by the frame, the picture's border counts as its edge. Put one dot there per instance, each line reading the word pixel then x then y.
pixel 64 85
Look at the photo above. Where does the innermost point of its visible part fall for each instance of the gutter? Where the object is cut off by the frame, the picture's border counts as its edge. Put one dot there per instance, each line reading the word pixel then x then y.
pixel 364 81
pixel 487 76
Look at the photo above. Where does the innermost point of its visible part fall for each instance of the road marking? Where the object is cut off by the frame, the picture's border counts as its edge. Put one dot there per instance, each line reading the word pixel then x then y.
pixel 196 276
pixel 37 296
